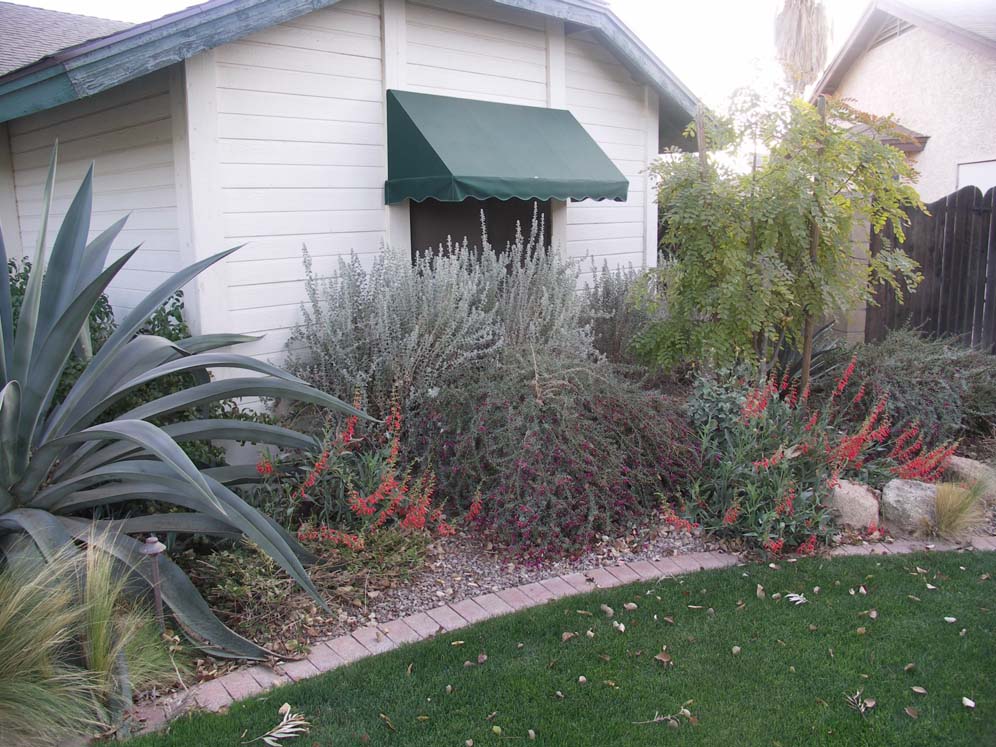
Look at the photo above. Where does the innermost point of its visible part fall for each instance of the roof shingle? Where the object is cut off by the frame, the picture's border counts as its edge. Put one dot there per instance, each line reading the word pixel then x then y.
pixel 27 34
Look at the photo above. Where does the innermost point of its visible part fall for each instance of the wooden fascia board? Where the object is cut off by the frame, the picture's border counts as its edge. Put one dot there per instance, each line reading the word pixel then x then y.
pixel 96 66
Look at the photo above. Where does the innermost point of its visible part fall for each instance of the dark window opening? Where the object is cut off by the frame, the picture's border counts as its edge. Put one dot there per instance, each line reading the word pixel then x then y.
pixel 433 221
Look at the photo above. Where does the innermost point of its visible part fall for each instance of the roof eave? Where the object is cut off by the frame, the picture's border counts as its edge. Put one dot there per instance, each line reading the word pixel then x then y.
pixel 94 66
pixel 870 24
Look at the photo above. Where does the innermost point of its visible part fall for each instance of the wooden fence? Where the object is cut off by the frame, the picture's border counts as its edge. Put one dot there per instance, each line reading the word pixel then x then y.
pixel 956 248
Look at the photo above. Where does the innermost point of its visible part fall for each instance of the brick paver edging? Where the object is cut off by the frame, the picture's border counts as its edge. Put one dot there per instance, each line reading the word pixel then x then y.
pixel 369 640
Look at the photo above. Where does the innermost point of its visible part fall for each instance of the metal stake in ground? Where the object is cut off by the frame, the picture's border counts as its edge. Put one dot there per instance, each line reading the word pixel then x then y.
pixel 154 548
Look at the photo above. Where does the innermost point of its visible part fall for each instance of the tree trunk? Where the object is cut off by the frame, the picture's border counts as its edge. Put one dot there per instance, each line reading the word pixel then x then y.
pixel 809 324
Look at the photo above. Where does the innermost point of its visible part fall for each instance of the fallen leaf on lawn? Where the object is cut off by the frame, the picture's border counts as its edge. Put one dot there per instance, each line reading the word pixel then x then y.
pixel 909 667
pixel 582 680
pixel 760 592
pixel 816 589
pixel 963 632
pixel 482 657
pixel 531 734
pixel 796 598
pixel 605 657
pixel 468 663
pixel 469 743
pixel 457 643
pixel 873 614
pixel 619 626
pixel 931 587
pixel 774 566
pixel 915 599
pixel 590 633
pixel 387 721
pixel 520 645
pixel 950 619
pixel 669 620
pixel 792 670
pixel 695 606
pixel 566 636
pixel 496 730
pixel 776 596
pixel 609 683
pixel 629 606
pixel 710 612
pixel 491 716
pixel 912 712
pixel 968 702
pixel 860 631
pixel 664 658
pixel 586 613
pixel 609 612
pixel 409 669
pixel 862 590
pixel 736 650
pixel 919 690
pixel 812 628
pixel 559 695
pixel 869 703
pixel 921 570
pixel 421 718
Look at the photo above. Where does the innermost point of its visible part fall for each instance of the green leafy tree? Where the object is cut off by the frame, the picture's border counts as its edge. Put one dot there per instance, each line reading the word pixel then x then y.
pixel 65 461
pixel 751 257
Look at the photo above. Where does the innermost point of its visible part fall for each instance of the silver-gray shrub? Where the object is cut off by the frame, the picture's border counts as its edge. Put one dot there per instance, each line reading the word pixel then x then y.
pixel 413 327
pixel 617 309
pixel 394 325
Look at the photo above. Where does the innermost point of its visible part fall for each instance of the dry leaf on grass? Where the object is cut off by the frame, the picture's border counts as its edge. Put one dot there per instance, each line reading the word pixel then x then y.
pixel 291 725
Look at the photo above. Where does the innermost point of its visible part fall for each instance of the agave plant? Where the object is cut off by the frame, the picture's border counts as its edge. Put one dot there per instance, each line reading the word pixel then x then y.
pixel 61 461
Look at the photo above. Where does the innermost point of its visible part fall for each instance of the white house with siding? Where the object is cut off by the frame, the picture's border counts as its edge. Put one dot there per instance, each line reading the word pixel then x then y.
pixel 266 123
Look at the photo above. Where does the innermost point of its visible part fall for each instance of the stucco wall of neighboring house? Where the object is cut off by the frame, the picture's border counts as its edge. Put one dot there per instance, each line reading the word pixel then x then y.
pixel 127 132
pixel 937 87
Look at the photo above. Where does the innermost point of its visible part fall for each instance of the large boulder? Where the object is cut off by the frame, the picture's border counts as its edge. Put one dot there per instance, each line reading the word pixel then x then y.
pixel 908 506
pixel 854 505
pixel 963 469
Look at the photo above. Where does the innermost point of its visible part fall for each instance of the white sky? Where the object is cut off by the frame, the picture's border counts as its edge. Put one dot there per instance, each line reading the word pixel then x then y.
pixel 713 46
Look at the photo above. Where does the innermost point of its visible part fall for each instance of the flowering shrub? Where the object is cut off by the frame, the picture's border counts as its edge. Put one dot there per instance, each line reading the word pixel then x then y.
pixel 353 483
pixel 945 389
pixel 546 453
pixel 767 474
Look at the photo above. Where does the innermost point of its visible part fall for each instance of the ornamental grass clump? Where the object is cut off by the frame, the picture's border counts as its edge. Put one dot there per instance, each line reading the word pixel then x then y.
pixel 547 453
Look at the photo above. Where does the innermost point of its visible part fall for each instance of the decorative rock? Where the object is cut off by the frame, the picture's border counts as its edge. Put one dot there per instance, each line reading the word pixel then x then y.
pixel 908 506
pixel 963 469
pixel 854 505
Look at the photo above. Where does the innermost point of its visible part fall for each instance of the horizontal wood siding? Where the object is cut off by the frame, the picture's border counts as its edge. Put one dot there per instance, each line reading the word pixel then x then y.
pixel 478 50
pixel 610 105
pixel 126 132
pixel 301 159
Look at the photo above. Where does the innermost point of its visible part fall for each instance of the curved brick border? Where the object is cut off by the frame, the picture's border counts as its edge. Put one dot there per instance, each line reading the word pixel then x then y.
pixel 369 640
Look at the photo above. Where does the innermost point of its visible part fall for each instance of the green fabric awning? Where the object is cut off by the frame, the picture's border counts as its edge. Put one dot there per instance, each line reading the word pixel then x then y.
pixel 450 149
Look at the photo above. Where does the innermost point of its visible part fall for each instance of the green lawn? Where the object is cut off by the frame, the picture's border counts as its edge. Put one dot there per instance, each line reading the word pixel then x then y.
pixel 786 687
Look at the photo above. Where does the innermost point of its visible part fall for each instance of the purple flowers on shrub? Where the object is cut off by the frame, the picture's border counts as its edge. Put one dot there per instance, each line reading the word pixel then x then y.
pixel 559 451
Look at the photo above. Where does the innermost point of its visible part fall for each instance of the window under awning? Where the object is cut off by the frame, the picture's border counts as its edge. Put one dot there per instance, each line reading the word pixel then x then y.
pixel 451 149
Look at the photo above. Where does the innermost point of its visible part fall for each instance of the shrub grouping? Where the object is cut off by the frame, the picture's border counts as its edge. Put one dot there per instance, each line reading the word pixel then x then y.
pixel 771 456
pixel 548 453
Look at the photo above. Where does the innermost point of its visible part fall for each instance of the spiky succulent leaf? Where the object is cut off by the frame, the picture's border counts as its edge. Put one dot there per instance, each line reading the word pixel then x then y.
pixel 58 460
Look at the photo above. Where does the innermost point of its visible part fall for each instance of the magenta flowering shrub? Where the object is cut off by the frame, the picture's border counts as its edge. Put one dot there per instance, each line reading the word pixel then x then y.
pixel 546 453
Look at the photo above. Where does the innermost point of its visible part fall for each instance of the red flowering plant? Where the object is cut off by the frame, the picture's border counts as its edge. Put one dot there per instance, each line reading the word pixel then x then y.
pixel 768 473
pixel 353 485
